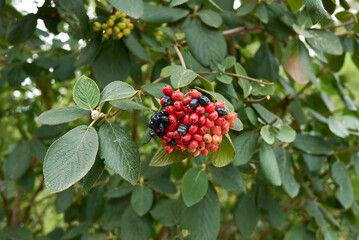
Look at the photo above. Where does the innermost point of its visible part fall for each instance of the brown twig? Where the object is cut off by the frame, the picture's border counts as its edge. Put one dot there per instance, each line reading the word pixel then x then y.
pixel 242 30
pixel 169 57
pixel 28 206
pixel 114 113
pixel 179 56
pixel 232 48
pixel 16 209
pixel 237 76
pixel 355 20
pixel 349 149
pixel 162 233
pixel 158 80
pixel 260 100
pixel 134 125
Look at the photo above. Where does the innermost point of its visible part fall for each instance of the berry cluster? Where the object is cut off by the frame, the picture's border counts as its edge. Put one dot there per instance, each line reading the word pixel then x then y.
pixel 112 26
pixel 191 123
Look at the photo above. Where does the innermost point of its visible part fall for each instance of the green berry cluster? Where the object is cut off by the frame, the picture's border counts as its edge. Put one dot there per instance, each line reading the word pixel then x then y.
pixel 117 24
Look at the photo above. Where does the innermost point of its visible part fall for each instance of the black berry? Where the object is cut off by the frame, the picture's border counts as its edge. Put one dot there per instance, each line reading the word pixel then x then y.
pixel 164 119
pixel 151 125
pixel 194 104
pixel 163 112
pixel 167 101
pixel 182 130
pixel 155 117
pixel 153 133
pixel 221 111
pixel 172 142
pixel 203 100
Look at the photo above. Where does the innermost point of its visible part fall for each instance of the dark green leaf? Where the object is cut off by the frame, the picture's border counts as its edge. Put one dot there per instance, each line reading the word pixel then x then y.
pixel 117 91
pixel 89 53
pixel 80 11
pixel 268 134
pixel 70 157
pixel 299 231
pixel 65 68
pixel 224 155
pixel 325 41
pixel 162 158
pixel 266 64
pixel 128 105
pixel 134 227
pixel 132 8
pixel 93 175
pixel 228 177
pixel 120 152
pixel 168 211
pixel 344 192
pixel 21 29
pixel 286 134
pixel 163 185
pixel 86 93
pixel 245 145
pixel 210 18
pixel 182 77
pixel 267 116
pixel 17 233
pixel 262 13
pixel 315 9
pixel 136 48
pixel 194 186
pixel 64 200
pixel 269 165
pixel 246 8
pixel 18 161
pixel 160 14
pixel 141 199
pixel 62 115
pixel 311 144
pixel 177 2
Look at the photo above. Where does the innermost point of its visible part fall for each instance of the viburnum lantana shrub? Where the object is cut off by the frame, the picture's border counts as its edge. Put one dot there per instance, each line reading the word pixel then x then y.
pixel 179 119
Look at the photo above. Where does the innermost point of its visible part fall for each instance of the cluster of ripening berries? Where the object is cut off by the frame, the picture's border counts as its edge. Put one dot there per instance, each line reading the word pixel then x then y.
pixel 191 123
pixel 117 24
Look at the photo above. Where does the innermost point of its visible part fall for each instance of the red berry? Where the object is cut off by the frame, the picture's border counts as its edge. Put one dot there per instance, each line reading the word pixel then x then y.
pixel 180 114
pixel 216 139
pixel 181 147
pixel 200 110
pixel 184 109
pixel 187 137
pixel 187 100
pixel 231 116
pixel 169 134
pixel 176 135
pixel 225 125
pixel 213 115
pixel 219 121
pixel 193 129
pixel 204 152
pixel 207 138
pixel 167 90
pixel 194 93
pixel 179 140
pixel 202 120
pixel 177 96
pixel 193 144
pixel 217 130
pixel 170 110
pixel 194 118
pixel 173 126
pixel 220 104
pixel 213 147
pixel 196 153
pixel 210 107
pixel 232 124
pixel 201 145
pixel 209 123
pixel 162 103
pixel 167 139
pixel 169 148
pixel 202 130
pixel 178 105
pixel 186 120
pixel 225 130
pixel 172 118
pixel 163 141
pixel 197 137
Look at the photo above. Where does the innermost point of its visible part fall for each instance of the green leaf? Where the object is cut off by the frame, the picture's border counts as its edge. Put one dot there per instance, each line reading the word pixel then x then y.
pixel 246 214
pixel 141 200
pixel 219 97
pixel 238 125
pixel 132 8
pixel 22 29
pixel 134 227
pixel 154 89
pixel 94 205
pixel 65 68
pixel 162 185
pixel 128 105
pixel 210 18
pixel 245 145
pixel 75 231
pixel 136 48
pixel 62 115
pixel 343 192
pixel 64 200
pixel 268 116
pixel 243 83
pixel 120 152
pixel 266 64
pixel 203 219
pixel 228 62
pixel 269 166
pixel 224 155
pixel 80 11
pixel 160 14
pixel 93 175
pixel 162 158
pixel 286 134
pixel 313 211
pixel 117 91
pixel 168 32
pixel 299 231
pixel 177 2
pixel 337 127
pixel 169 70
pixel 70 157
pixel 262 13
pixel 290 184
pixel 311 144
pixel 267 134
pixel 229 177
pixel 182 77
pixel 18 161
pixel 27 181
pixel 224 79
pixel 206 44
pixel 86 93
pixel 194 186
pixel 89 53
pixel 315 10
pixel 325 41
pixel 112 63
pixel 347 100
pixel 205 83
pixel 246 8
pixel 18 233
pixel 168 211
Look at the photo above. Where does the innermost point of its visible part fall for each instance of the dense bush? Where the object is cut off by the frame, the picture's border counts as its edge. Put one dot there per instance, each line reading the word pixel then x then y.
pixel 80 81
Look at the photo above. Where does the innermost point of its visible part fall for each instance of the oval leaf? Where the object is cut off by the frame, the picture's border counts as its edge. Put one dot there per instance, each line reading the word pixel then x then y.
pixel 141 200
pixel 117 90
pixel 269 165
pixel 133 8
pixel 162 158
pixel 86 93
pixel 18 161
pixel 245 145
pixel 70 157
pixel 225 153
pixel 194 186
pixel 181 77
pixel 62 115
pixel 344 192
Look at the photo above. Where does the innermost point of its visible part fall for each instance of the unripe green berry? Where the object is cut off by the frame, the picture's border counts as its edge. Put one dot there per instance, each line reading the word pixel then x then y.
pixel 109 31
pixel 120 35
pixel 104 26
pixel 121 25
pixel 110 22
pixel 126 31
pixel 116 29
